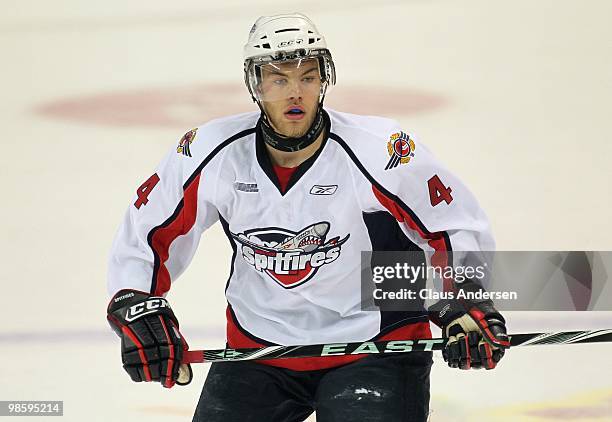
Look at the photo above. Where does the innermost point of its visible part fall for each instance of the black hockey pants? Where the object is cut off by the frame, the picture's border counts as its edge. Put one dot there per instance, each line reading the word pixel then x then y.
pixel 386 388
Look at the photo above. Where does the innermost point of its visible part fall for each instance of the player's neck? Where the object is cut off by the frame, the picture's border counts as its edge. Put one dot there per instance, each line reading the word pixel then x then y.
pixel 294 159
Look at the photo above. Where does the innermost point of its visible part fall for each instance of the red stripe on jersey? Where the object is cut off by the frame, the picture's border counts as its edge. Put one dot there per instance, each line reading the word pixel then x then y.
pixel 237 339
pixel 412 331
pixel 164 236
pixel 435 240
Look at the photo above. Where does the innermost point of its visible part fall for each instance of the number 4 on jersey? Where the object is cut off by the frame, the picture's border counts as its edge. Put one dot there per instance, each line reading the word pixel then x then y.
pixel 144 190
pixel 438 192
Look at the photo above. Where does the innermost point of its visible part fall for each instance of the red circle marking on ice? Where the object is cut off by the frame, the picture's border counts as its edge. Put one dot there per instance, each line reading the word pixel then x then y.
pixel 191 105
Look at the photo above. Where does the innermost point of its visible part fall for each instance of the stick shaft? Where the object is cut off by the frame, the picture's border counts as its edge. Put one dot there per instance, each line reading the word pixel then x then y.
pixel 383 347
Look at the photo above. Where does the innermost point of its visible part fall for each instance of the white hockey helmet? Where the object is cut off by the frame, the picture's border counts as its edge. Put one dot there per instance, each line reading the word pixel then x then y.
pixel 285 38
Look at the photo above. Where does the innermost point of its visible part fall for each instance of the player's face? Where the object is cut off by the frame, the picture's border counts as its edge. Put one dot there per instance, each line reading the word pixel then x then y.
pixel 290 95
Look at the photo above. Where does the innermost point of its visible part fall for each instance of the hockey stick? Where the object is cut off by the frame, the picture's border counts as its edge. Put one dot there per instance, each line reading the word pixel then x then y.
pixel 377 347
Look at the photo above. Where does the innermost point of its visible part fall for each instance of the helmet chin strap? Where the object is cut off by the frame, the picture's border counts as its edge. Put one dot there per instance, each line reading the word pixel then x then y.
pixel 289 144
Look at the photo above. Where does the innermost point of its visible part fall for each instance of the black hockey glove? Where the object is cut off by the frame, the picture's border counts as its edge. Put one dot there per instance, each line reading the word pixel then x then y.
pixel 476 331
pixel 151 344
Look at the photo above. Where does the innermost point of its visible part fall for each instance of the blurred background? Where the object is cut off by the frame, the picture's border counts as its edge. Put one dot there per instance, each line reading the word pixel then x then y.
pixel 515 97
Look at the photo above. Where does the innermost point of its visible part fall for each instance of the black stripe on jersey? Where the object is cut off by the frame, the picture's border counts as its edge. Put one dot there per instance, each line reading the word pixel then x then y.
pixel 215 151
pixel 179 207
pixel 245 332
pixel 264 160
pixel 266 164
pixel 397 200
pixel 386 235
pixel 392 320
pixel 226 230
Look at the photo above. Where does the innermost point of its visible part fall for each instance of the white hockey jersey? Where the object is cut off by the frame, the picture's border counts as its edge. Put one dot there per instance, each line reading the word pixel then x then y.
pixel 295 274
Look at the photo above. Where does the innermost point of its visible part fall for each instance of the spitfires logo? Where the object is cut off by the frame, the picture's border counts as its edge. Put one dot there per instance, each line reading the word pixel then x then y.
pixel 185 142
pixel 289 258
pixel 400 148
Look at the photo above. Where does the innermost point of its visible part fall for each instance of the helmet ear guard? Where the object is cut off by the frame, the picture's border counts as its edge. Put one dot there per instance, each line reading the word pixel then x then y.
pixel 327 68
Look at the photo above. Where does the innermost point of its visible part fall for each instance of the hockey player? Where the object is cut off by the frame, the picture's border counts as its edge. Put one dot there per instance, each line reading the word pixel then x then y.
pixel 300 191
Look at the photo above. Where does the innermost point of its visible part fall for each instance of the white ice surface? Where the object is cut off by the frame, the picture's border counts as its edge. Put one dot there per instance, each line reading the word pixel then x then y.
pixel 525 122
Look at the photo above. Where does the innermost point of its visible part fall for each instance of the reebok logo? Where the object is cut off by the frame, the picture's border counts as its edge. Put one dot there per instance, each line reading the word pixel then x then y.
pixel 323 189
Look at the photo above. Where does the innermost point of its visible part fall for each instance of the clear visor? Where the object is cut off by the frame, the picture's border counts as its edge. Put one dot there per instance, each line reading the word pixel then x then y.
pixel 281 80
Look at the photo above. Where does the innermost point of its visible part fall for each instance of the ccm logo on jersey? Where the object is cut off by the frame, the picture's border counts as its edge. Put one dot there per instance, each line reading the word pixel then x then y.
pixel 289 258
pixel 323 189
pixel 144 308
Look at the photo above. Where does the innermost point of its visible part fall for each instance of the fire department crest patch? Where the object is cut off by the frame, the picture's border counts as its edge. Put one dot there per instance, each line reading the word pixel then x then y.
pixel 287 257
pixel 400 148
pixel 185 142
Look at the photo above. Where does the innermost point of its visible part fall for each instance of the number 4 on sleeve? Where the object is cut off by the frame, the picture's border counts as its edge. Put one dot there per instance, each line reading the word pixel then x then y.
pixel 144 190
pixel 438 192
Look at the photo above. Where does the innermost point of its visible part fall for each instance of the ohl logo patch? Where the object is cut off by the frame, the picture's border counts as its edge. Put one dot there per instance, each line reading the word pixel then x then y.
pixel 289 258
pixel 186 140
pixel 401 149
